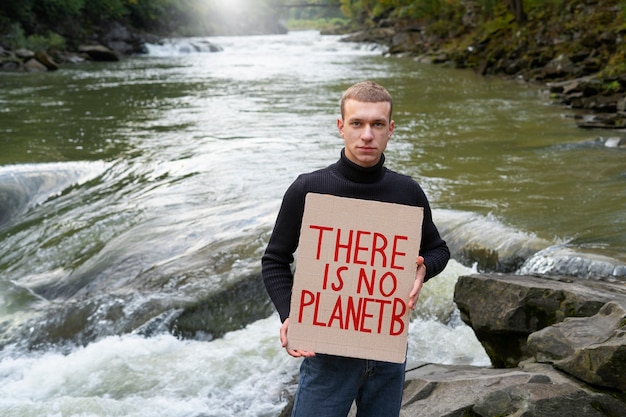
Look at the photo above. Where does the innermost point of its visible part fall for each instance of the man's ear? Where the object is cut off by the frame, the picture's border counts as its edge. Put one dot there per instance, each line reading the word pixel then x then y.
pixel 340 126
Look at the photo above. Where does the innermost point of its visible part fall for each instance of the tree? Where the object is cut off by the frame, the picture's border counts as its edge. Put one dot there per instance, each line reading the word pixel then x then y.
pixel 517 8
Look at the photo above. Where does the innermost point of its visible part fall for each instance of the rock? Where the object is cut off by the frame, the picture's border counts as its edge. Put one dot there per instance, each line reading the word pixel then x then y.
pixel 46 60
pixel 10 63
pixel 603 121
pixel 525 304
pixel 536 390
pixel 206 46
pixel 98 53
pixel 592 349
pixel 558 260
pixel 24 54
pixel 377 35
pixel 615 142
pixel 559 67
pixel 33 65
pixel 121 39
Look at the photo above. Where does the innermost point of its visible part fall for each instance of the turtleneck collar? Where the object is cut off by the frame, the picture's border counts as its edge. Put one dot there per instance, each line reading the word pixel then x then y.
pixel 357 173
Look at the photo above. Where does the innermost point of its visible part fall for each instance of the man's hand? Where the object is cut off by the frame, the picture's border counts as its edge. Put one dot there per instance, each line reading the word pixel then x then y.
pixel 419 282
pixel 283 341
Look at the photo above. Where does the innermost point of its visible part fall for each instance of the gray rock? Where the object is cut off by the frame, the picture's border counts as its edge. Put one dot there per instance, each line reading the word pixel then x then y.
pixel 536 390
pixel 504 310
pixel 98 53
pixel 46 60
pixel 615 142
pixel 592 349
pixel 33 65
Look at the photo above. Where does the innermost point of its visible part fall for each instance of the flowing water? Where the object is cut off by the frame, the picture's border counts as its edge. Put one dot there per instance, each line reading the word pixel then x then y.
pixel 131 190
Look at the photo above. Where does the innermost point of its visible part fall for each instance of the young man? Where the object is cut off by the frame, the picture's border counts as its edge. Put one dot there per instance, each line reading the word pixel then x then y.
pixel 328 384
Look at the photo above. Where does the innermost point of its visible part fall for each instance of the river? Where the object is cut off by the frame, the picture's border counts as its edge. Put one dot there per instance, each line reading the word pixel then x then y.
pixel 130 191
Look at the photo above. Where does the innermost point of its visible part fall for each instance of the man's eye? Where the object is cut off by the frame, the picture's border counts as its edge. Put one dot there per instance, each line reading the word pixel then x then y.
pixel 356 124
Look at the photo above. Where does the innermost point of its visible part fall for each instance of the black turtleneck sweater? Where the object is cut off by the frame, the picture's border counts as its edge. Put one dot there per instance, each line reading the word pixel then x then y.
pixel 343 179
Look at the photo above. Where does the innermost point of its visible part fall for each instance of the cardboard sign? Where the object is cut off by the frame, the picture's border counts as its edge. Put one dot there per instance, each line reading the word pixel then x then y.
pixel 356 267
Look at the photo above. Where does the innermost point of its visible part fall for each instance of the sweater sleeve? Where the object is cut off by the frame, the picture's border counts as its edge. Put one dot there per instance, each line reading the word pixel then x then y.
pixel 433 248
pixel 279 254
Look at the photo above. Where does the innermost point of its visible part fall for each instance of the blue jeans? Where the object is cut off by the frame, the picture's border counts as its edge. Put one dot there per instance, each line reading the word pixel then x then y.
pixel 329 384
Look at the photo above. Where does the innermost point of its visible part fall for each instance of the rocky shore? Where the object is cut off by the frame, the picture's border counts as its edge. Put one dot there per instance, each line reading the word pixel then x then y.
pixel 566 335
pixel 557 346
pixel 110 44
pixel 575 55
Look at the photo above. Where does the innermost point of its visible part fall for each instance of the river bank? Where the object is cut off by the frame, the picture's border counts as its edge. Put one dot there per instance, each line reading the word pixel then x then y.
pixel 575 54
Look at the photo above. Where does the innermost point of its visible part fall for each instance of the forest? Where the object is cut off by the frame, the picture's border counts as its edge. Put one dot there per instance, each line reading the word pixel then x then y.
pixel 35 24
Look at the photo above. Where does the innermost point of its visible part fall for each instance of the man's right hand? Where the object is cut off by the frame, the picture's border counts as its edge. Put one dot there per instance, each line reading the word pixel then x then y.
pixel 283 341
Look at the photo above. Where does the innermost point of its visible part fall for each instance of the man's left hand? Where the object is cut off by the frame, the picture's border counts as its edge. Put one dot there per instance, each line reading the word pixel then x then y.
pixel 420 275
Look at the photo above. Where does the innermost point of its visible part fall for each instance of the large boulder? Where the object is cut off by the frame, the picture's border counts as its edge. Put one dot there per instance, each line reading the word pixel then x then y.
pixel 533 390
pixel 593 349
pixel 570 331
pixel 504 310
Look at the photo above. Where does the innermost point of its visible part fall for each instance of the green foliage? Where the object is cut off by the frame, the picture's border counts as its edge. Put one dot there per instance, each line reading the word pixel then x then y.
pixel 156 14
pixel 611 86
pixel 13 36
pixel 616 65
pixel 16 10
pixel 112 9
pixel 44 42
pixel 55 10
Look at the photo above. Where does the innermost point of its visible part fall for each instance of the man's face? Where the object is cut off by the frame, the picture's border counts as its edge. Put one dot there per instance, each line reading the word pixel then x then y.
pixel 365 129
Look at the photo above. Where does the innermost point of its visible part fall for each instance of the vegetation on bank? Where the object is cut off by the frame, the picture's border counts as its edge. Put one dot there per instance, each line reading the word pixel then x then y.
pixel 502 36
pixel 66 23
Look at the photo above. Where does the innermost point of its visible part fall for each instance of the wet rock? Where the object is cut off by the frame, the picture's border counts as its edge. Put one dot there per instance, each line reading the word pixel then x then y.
pixel 9 62
pixel 603 101
pixel 602 121
pixel 27 60
pixel 122 39
pixel 557 260
pixel 524 305
pixel 559 67
pixel 376 35
pixel 593 349
pixel 98 53
pixel 46 60
pixel 206 46
pixel 535 390
pixel 24 54
pixel 615 142
pixel 33 65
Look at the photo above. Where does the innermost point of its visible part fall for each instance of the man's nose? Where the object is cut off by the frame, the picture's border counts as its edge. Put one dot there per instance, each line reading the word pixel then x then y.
pixel 367 133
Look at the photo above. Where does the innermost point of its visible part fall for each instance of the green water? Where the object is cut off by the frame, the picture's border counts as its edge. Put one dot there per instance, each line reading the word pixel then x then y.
pixel 131 190
pixel 482 145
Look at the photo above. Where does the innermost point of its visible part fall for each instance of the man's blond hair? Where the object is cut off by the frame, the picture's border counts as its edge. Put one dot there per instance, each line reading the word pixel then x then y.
pixel 367 92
